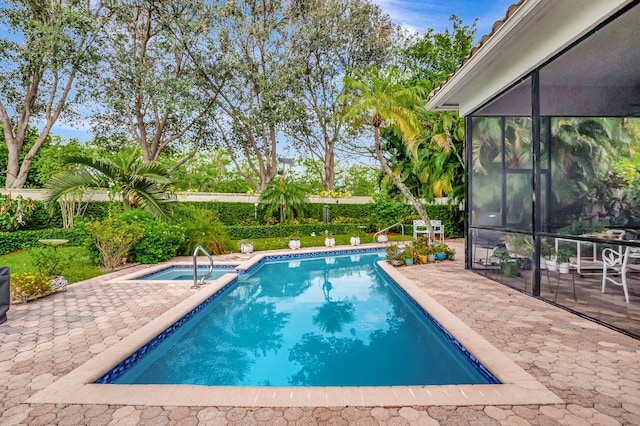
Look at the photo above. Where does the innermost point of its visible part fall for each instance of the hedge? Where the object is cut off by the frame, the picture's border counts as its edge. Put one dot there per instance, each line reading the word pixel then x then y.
pixel 248 232
pixel 234 213
pixel 44 217
pixel 230 214
pixel 20 240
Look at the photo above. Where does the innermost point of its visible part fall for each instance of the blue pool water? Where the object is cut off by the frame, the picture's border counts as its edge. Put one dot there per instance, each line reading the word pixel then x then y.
pixel 186 273
pixel 327 321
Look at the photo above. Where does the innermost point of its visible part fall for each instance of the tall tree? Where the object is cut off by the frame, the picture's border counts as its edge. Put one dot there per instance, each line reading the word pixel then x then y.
pixel 379 100
pixel 146 92
pixel 329 38
pixel 435 168
pixel 432 56
pixel 247 70
pixel 48 46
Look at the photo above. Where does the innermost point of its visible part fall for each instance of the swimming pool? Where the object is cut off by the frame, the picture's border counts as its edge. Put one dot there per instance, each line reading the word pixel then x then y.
pixel 335 320
pixel 186 273
pixel 79 386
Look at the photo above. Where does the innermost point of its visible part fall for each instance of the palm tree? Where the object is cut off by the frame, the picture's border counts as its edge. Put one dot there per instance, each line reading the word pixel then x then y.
pixel 436 167
pixel 285 196
pixel 137 182
pixel 378 99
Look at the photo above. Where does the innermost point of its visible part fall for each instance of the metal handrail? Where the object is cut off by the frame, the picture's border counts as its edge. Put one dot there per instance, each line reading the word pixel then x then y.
pixel 375 236
pixel 195 267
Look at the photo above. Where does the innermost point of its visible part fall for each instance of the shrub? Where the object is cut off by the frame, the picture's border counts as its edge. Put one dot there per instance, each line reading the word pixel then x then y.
pixel 160 240
pixel 202 228
pixel 14 212
pixel 28 285
pixel 385 211
pixel 48 261
pixel 114 238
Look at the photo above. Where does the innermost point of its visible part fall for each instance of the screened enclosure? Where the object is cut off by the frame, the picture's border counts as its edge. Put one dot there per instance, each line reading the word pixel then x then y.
pixel 553 168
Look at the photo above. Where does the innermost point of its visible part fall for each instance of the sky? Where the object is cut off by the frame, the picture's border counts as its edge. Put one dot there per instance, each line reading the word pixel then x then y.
pixel 413 15
pixel 420 15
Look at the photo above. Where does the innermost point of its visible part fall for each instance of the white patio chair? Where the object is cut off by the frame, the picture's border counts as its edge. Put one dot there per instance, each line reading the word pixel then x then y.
pixel 616 263
pixel 420 228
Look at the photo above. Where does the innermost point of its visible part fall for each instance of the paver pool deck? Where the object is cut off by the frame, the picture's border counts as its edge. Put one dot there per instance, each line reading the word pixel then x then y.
pixel 594 370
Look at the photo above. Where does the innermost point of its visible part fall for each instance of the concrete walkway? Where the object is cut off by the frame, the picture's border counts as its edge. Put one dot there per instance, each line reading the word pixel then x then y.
pixel 596 371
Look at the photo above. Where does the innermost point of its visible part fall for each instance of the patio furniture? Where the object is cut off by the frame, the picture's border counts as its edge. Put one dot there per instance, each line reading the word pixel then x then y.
pixel 591 264
pixel 420 228
pixel 5 295
pixel 616 263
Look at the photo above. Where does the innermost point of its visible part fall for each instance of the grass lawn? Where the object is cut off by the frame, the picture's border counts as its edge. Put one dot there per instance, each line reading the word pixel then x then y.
pixel 80 267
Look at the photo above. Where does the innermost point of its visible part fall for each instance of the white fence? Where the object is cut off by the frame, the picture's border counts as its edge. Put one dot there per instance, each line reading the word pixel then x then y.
pixel 38 194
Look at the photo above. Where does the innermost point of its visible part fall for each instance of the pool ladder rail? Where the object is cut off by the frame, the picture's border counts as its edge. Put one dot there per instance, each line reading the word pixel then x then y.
pixel 196 284
pixel 382 231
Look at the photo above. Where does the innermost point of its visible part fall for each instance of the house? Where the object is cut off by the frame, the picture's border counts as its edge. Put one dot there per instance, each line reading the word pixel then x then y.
pixel 551 101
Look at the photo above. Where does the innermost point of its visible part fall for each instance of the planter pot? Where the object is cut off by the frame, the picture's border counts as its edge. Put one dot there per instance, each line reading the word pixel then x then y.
pixel 423 258
pixel 543 263
pixel 450 256
pixel 294 244
pixel 59 283
pixel 563 268
pixel 510 268
pixel 551 265
pixel 355 241
pixel 382 238
pixel 330 242
pixel 246 248
pixel 441 256
pixel 396 262
pixel 431 258
pixel 408 262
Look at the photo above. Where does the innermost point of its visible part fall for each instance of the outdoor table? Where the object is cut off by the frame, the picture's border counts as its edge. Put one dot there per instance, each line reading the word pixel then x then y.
pixel 584 266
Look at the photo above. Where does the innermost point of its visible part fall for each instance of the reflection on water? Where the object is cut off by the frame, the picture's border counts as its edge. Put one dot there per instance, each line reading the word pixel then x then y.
pixel 311 324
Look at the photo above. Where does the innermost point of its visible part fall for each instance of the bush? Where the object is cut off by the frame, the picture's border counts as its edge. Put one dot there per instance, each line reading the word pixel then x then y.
pixel 44 216
pixel 385 211
pixel 113 238
pixel 48 261
pixel 202 228
pixel 160 240
pixel 28 285
pixel 14 212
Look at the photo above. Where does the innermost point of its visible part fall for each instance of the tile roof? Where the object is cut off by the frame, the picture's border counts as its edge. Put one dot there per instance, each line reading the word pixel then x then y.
pixel 485 38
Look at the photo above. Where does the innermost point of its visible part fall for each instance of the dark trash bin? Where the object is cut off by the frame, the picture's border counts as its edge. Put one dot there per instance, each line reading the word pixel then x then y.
pixel 5 296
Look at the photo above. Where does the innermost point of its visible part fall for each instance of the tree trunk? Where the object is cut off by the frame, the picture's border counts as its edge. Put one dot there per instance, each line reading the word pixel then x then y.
pixel 401 186
pixel 17 171
pixel 329 178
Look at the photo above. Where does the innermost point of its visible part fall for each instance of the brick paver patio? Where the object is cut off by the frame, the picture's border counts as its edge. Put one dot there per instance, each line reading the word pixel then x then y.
pixel 596 371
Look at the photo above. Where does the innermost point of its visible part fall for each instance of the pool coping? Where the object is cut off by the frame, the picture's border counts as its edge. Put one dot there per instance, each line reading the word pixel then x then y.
pixel 517 388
